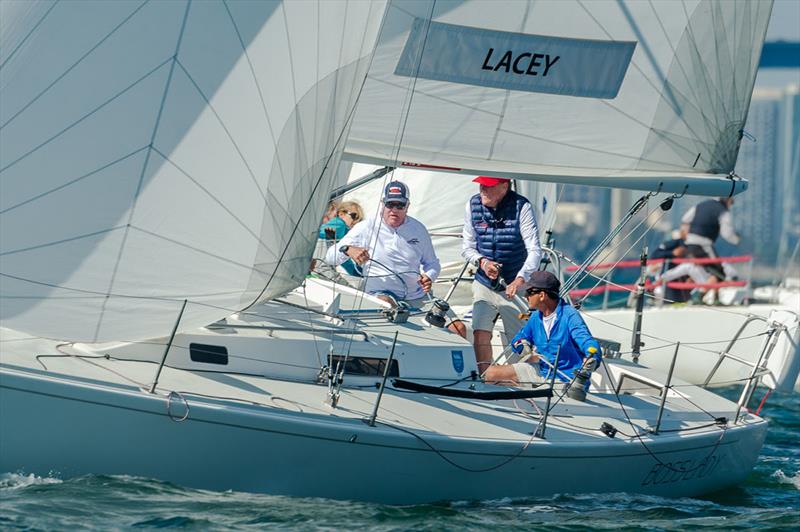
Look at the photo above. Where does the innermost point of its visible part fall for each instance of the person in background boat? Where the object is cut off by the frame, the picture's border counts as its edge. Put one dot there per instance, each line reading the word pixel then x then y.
pixel 501 239
pixel 670 271
pixel 555 328
pixel 348 213
pixel 394 249
pixel 703 224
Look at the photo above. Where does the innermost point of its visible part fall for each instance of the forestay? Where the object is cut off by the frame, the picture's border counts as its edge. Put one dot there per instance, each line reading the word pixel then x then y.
pixel 616 93
pixel 159 151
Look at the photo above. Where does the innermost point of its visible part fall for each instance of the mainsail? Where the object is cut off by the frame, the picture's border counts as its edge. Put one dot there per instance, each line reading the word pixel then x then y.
pixel 156 152
pixel 616 93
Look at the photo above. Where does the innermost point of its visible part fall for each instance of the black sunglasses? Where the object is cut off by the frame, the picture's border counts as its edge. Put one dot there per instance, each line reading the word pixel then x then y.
pixel 353 215
pixel 533 291
pixel 396 205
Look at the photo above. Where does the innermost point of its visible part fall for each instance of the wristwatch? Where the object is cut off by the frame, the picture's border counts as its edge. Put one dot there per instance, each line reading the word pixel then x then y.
pixel 344 249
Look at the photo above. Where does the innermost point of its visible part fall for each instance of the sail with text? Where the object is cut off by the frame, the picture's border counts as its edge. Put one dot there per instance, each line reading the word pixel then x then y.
pixel 616 93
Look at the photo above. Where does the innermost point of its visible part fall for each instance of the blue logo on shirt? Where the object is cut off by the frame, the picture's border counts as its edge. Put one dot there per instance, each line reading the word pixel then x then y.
pixel 414 241
pixel 458 361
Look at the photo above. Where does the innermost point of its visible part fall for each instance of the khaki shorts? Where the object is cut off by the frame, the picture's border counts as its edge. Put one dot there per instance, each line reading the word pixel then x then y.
pixel 527 372
pixel 487 304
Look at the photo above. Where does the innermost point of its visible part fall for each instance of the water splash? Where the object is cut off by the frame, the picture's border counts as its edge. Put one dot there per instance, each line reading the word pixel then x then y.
pixel 14 481
pixel 781 477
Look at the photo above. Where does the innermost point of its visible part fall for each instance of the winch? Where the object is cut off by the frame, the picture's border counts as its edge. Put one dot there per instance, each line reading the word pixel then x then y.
pixel 438 311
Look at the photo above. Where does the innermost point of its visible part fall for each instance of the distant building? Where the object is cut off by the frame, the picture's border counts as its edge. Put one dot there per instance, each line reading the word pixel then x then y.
pixel 583 218
pixel 767 215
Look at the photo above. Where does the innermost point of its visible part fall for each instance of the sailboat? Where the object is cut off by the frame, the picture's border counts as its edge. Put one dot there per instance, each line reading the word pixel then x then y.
pixel 164 168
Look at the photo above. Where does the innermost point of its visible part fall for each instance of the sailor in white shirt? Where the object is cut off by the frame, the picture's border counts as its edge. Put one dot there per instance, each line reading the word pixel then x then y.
pixel 394 249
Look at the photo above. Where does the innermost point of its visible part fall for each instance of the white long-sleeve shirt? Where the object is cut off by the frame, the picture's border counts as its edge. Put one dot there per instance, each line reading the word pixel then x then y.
pixel 400 255
pixel 527 228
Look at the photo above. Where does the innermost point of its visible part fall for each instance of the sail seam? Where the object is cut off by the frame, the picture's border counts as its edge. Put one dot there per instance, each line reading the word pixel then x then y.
pixel 698 63
pixel 260 93
pixel 435 97
pixel 73 181
pixel 75 64
pixel 717 21
pixel 584 148
pixel 653 85
pixel 85 116
pixel 681 66
pixel 666 136
pixel 208 193
pixel 301 150
pixel 224 127
pixel 96 294
pixel 24 39
pixel 62 241
pixel 132 211
pixel 195 248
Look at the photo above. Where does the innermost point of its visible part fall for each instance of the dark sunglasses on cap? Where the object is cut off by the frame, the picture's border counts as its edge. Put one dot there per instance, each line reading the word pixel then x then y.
pixel 396 205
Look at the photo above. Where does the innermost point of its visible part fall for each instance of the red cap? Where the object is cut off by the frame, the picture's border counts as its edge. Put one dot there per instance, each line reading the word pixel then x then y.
pixel 487 181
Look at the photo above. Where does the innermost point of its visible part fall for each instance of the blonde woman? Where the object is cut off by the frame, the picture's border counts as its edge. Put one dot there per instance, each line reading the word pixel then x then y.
pixel 348 214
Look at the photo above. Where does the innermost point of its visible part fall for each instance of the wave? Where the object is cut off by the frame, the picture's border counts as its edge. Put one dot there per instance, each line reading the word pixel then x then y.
pixel 14 481
pixel 781 477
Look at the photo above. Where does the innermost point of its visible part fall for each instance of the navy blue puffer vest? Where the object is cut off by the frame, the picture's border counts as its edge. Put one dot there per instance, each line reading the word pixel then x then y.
pixel 706 219
pixel 498 236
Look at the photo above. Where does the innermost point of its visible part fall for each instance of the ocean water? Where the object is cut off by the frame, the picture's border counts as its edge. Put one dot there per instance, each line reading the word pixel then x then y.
pixel 768 500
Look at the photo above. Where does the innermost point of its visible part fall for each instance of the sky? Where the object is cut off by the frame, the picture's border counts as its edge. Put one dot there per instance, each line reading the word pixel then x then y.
pixel 785 21
pixel 783 25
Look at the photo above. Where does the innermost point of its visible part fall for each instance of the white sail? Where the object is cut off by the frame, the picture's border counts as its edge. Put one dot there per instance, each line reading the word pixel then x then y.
pixel 617 93
pixel 156 152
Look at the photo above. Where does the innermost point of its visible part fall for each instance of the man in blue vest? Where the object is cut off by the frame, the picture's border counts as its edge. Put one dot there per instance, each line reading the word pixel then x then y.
pixel 501 239
pixel 704 223
pixel 555 329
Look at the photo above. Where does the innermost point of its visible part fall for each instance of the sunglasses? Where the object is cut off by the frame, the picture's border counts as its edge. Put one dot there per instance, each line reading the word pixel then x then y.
pixel 353 215
pixel 533 291
pixel 395 205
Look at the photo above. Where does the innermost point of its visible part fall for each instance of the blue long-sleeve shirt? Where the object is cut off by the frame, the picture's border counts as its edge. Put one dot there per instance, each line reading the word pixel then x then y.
pixel 569 331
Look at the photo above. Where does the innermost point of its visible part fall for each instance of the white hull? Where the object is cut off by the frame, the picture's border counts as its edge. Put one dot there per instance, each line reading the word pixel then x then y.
pixel 56 427
pixel 72 411
pixel 704 332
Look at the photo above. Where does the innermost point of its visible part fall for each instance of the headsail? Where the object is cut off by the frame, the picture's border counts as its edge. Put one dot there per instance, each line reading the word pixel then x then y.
pixel 611 93
pixel 159 151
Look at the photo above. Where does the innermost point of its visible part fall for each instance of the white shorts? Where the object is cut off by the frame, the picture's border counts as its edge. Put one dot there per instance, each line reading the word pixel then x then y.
pixel 487 304
pixel 527 372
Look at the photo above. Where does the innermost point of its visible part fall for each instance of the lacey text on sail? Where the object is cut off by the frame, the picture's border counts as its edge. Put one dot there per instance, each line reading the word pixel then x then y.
pixel 525 63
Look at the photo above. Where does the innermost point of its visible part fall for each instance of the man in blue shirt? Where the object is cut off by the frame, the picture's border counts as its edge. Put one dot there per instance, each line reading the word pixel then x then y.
pixel 553 324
